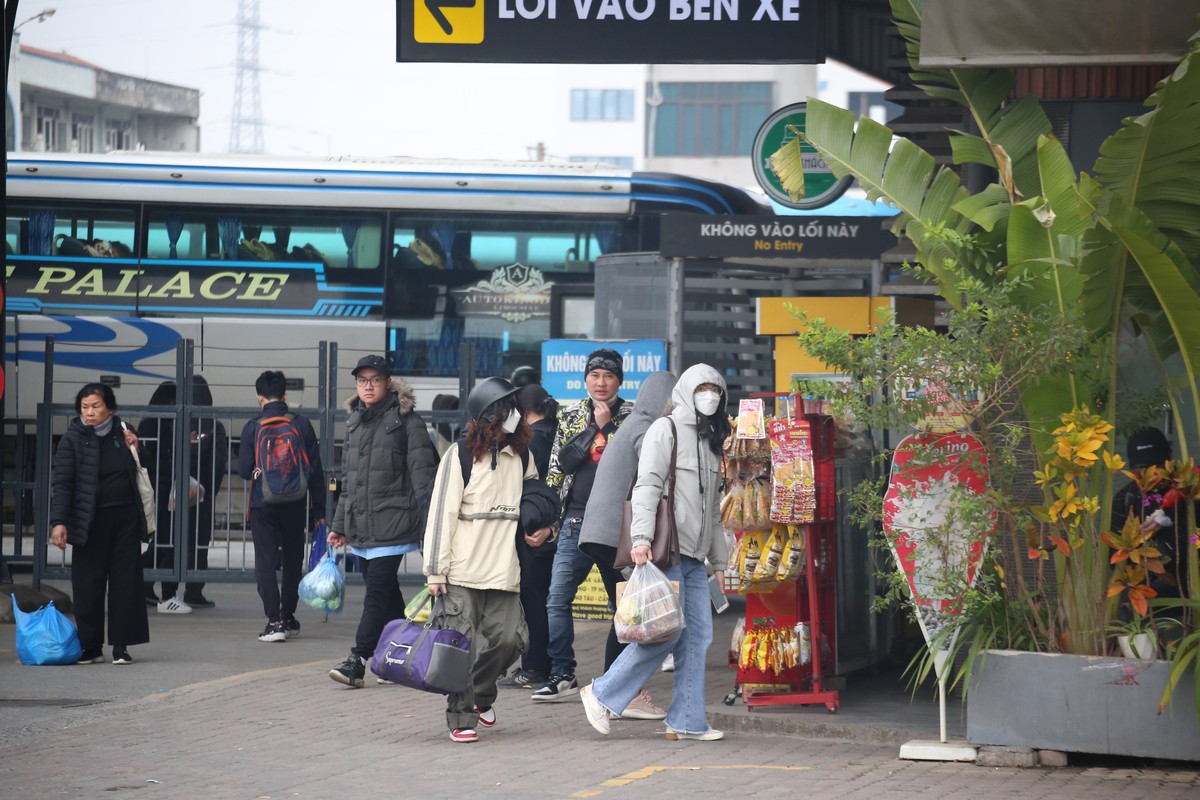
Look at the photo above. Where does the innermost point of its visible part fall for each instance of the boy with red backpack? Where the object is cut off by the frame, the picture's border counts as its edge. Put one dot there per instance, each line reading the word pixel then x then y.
pixel 279 454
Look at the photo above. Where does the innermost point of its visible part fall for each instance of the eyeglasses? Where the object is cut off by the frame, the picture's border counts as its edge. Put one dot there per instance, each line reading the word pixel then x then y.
pixel 378 380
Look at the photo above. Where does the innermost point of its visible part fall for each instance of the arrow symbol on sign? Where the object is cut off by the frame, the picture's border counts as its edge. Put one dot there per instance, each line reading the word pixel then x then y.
pixel 435 9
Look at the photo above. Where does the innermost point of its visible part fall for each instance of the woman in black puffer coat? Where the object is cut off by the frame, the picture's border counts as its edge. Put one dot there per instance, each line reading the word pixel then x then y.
pixel 95 507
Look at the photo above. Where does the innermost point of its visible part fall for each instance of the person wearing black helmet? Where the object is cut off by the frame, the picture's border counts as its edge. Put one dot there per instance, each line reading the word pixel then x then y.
pixel 584 429
pixel 470 554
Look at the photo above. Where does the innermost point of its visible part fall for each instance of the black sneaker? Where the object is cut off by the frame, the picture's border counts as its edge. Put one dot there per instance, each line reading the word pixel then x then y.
pixel 525 679
pixel 121 656
pixel 274 632
pixel 558 687
pixel 350 672
pixel 291 627
pixel 197 601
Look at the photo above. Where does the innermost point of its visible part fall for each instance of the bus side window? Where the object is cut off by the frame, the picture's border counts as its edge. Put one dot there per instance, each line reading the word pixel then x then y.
pixel 89 233
pixel 13 236
pixel 189 242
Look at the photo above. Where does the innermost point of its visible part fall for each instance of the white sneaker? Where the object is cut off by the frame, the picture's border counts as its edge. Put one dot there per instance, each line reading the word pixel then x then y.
pixel 597 714
pixel 174 606
pixel 710 735
pixel 668 664
pixel 642 707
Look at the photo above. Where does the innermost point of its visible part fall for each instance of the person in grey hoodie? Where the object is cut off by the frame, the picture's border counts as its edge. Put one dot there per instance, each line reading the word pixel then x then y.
pixel 602 523
pixel 388 467
pixel 701 425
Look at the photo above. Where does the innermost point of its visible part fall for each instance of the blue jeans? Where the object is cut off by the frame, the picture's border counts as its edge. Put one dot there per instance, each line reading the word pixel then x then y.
pixel 617 687
pixel 571 568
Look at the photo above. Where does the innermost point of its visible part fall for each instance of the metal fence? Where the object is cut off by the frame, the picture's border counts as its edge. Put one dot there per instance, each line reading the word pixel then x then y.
pixel 206 541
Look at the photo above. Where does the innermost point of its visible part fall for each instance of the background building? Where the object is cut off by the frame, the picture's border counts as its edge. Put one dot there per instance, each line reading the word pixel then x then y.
pixel 695 119
pixel 62 104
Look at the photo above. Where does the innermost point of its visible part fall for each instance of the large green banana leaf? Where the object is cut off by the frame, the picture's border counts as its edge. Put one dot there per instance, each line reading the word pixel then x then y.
pixel 894 169
pixel 1154 159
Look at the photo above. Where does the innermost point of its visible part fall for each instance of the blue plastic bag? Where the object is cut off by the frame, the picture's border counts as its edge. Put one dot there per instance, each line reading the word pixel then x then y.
pixel 46 636
pixel 324 587
pixel 317 549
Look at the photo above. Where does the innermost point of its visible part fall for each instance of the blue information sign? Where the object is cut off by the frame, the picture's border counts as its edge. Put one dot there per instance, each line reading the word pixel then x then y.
pixel 563 361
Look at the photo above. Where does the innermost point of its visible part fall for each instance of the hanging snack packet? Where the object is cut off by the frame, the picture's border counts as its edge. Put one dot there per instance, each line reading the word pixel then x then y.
pixel 792 564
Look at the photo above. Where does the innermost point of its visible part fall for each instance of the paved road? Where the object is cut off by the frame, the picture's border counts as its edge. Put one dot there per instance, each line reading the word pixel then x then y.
pixel 209 712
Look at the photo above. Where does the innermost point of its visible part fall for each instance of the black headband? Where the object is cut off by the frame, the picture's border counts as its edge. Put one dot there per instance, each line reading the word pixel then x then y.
pixel 603 361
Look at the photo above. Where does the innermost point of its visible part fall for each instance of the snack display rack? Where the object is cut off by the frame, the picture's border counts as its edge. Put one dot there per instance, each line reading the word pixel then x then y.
pixel 795 617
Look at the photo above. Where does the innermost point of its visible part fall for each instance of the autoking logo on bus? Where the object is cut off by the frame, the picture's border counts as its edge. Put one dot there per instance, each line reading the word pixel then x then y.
pixel 514 293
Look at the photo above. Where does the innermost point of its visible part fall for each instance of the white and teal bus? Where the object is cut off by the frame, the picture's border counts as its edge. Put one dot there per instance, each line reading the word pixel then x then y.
pixel 257 259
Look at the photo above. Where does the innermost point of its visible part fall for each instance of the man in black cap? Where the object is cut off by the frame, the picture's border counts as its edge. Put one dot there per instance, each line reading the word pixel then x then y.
pixel 584 429
pixel 1149 447
pixel 388 467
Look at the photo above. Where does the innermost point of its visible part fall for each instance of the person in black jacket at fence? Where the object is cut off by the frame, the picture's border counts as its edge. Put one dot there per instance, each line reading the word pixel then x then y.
pixel 208 463
pixel 95 507
pixel 388 466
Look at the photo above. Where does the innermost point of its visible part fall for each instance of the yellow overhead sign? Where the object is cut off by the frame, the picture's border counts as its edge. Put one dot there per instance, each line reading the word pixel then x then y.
pixel 448 22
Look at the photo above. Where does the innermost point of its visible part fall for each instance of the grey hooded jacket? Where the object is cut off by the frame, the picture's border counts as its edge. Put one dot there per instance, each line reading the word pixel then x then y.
pixel 697 513
pixel 388 466
pixel 618 465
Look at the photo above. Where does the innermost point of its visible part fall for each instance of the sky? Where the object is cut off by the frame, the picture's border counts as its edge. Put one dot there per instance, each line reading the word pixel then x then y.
pixel 330 82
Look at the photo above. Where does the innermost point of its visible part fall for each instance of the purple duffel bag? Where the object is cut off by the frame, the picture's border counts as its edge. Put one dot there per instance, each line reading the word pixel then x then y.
pixel 425 657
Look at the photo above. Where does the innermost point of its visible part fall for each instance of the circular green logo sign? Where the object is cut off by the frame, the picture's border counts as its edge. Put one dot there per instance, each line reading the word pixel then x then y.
pixel 821 187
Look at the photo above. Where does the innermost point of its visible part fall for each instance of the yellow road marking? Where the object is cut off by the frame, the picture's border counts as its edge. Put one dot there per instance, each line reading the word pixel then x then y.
pixel 646 772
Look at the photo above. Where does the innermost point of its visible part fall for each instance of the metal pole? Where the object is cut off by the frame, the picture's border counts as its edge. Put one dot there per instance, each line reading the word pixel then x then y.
pixel 675 317
pixel 44 454
pixel 466 379
pixel 181 461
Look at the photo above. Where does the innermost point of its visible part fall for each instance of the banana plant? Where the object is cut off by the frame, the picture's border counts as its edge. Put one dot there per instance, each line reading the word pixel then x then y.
pixel 1117 251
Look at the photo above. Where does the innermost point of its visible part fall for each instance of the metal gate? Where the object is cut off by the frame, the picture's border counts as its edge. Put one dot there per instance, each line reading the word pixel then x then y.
pixel 184 549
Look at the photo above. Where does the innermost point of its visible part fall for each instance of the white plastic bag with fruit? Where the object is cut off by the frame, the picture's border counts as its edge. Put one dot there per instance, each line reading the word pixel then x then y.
pixel 649 610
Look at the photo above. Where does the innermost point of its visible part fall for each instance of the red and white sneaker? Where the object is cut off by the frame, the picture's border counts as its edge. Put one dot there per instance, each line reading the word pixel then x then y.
pixel 487 716
pixel 464 735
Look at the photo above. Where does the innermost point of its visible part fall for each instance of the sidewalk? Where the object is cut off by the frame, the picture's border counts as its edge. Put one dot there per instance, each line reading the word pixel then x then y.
pixel 221 643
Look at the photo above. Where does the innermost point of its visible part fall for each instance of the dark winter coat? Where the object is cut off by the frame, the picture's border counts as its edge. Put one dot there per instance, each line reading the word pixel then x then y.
pixel 388 467
pixel 542 443
pixel 75 480
pixel 246 457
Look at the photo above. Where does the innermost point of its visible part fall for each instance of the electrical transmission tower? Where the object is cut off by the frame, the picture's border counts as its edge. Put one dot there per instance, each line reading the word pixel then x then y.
pixel 246 129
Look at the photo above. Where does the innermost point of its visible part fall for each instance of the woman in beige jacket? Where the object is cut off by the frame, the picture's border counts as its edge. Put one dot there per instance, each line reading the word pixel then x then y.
pixel 470 546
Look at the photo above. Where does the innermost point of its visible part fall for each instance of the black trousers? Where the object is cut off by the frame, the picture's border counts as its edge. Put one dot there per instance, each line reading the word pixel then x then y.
pixel 535 588
pixel 382 601
pixel 110 562
pixel 278 534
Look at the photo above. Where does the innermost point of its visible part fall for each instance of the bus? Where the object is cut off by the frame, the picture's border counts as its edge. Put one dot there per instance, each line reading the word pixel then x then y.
pixel 257 259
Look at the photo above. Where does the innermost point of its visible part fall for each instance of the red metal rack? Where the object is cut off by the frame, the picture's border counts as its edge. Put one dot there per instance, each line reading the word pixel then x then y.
pixel 812 599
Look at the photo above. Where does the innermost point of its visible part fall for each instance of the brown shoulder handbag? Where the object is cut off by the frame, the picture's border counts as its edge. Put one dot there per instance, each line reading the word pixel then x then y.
pixel 666 538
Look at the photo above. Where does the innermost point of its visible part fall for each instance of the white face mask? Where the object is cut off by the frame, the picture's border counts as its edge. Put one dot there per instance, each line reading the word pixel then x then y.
pixel 512 421
pixel 707 403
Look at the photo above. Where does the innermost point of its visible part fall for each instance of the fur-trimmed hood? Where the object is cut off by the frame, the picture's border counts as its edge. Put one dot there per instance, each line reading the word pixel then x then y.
pixel 405 397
